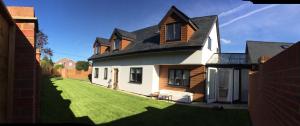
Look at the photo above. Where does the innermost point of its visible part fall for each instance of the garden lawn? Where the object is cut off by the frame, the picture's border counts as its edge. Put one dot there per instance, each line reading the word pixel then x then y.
pixel 75 101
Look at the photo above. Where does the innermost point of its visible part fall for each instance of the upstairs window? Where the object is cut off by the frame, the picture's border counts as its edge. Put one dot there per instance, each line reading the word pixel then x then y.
pixel 209 43
pixel 136 75
pixel 96 74
pixel 116 44
pixel 173 31
pixel 179 77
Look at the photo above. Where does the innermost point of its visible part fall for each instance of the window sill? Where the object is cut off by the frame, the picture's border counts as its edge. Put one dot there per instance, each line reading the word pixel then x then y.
pixel 175 40
pixel 178 86
pixel 132 82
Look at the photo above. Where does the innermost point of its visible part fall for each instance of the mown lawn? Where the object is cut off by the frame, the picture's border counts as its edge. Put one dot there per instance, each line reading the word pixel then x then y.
pixel 75 101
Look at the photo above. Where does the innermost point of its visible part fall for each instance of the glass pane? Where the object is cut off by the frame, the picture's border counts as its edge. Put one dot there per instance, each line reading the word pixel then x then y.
pixel 171 77
pixel 177 31
pixel 170 30
pixel 209 43
pixel 178 77
pixel 138 71
pixel 186 77
pixel 139 77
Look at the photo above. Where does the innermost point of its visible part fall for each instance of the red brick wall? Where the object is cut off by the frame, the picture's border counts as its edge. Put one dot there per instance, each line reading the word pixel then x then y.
pixel 274 90
pixel 23 98
pixel 197 80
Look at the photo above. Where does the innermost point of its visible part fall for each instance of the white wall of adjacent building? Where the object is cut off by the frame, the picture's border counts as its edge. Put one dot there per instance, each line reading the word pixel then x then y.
pixel 207 53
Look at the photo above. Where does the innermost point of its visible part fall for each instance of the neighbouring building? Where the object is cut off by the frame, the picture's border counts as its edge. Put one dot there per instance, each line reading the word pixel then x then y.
pixel 67 63
pixel 181 57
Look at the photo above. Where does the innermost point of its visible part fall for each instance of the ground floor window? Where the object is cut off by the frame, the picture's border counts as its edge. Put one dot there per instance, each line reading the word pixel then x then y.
pixel 136 75
pixel 105 73
pixel 96 74
pixel 179 77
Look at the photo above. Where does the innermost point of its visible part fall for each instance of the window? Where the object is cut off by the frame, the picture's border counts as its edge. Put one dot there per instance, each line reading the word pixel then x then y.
pixel 179 77
pixel 117 44
pixel 173 31
pixel 96 73
pixel 136 75
pixel 105 73
pixel 209 43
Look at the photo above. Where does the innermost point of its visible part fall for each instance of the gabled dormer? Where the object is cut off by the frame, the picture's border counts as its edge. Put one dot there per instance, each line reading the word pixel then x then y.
pixel 120 39
pixel 176 27
pixel 101 45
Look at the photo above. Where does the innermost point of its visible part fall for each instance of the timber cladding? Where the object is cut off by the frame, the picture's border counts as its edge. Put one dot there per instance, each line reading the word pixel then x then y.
pixel 197 80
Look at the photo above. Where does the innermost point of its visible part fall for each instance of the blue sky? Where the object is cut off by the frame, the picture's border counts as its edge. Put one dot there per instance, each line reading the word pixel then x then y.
pixel 72 25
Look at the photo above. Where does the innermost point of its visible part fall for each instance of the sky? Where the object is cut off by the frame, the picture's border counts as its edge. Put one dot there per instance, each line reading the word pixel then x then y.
pixel 73 25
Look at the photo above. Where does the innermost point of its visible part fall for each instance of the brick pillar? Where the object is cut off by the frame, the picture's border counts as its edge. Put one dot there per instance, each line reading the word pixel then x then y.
pixel 25 91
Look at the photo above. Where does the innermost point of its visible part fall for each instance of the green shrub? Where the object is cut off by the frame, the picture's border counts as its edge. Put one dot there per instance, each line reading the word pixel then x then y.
pixel 58 66
pixel 82 65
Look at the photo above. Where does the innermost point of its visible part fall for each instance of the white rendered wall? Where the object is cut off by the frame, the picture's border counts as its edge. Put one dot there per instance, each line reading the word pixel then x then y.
pixel 206 53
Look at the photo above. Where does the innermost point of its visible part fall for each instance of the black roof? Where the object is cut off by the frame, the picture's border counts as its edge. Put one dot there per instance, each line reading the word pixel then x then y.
pixel 124 33
pixel 227 59
pixel 101 41
pixel 147 39
pixel 256 49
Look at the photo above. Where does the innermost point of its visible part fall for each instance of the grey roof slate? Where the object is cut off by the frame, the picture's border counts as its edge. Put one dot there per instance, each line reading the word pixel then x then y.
pixel 147 39
pixel 102 41
pixel 125 33
pixel 256 49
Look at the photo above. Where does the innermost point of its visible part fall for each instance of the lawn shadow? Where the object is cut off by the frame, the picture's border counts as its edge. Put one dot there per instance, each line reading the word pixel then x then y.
pixel 55 109
pixel 180 115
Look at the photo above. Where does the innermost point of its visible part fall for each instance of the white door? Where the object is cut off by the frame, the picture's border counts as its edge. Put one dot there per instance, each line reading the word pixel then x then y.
pixel 211 85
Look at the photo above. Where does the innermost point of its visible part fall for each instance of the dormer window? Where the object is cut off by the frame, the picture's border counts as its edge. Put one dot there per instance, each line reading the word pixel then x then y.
pixel 173 32
pixel 96 50
pixel 116 45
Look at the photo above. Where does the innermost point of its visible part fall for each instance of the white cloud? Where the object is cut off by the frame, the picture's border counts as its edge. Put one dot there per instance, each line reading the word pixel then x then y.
pixel 246 15
pixel 225 41
pixel 242 6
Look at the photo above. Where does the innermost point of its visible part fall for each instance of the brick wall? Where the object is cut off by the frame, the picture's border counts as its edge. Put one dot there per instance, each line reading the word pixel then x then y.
pixel 274 90
pixel 197 80
pixel 21 65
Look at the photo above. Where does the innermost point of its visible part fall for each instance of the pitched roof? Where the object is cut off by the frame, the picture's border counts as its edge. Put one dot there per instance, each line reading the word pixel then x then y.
pixel 101 41
pixel 147 39
pixel 64 60
pixel 124 33
pixel 179 13
pixel 256 49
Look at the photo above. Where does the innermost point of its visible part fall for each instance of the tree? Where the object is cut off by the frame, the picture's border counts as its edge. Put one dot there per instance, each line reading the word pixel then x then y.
pixel 82 65
pixel 41 42
pixel 46 65
pixel 58 66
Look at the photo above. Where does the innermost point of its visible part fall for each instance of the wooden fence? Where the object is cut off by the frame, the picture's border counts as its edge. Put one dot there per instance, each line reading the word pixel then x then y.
pixel 274 91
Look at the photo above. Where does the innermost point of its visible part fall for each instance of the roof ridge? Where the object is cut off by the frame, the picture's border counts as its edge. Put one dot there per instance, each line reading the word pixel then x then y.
pixel 253 41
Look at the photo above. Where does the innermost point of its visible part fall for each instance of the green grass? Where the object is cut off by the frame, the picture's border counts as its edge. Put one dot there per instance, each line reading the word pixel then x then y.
pixel 75 101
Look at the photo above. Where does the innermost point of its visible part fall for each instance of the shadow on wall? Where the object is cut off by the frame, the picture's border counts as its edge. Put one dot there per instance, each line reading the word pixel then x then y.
pixel 55 109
